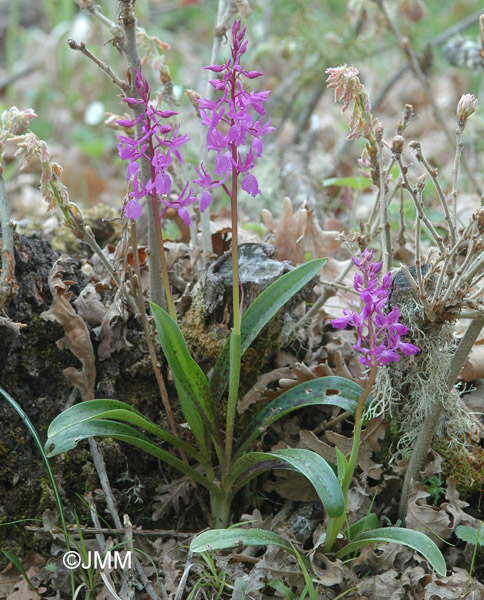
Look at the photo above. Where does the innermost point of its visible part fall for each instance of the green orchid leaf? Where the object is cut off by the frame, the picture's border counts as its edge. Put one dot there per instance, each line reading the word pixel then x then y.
pixel 259 313
pixel 308 463
pixel 67 438
pixel 369 522
pixel 342 464
pixel 191 383
pixel 325 391
pixel 406 537
pixel 114 409
pixel 221 539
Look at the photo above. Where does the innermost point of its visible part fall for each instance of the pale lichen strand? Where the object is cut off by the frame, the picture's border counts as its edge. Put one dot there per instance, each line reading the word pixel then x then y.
pixel 406 390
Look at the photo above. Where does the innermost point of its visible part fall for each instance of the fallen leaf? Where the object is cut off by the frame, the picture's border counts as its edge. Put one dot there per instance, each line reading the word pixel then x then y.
pixel 432 520
pixel 474 364
pixel 76 338
pixel 168 497
pixel 23 590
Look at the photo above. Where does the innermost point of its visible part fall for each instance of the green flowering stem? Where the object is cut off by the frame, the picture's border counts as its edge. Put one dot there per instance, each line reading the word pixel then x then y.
pixel 235 353
pixel 335 525
pixel 220 509
pixel 234 380
pixel 159 237
pixel 357 431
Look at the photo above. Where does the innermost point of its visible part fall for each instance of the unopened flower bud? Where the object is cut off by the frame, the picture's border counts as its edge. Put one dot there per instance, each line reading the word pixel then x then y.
pixel 466 106
pixel 379 132
pixel 421 182
pixel 397 145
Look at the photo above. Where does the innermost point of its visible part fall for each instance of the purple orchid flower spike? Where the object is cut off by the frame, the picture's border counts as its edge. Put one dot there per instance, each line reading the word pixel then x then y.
pixel 159 149
pixel 240 137
pixel 379 334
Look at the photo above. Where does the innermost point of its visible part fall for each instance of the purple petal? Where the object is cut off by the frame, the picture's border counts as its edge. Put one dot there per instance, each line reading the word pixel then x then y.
pixel 133 209
pixel 250 185
pixel 408 349
pixel 340 323
pixel 205 200
pixel 185 216
pixel 216 68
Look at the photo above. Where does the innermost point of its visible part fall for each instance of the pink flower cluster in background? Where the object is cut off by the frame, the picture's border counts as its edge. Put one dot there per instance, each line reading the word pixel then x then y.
pixel 379 333
pixel 231 124
pixel 159 148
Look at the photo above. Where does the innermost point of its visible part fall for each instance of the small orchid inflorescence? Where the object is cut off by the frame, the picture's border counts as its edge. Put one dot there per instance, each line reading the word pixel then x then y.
pixel 159 149
pixel 381 342
pixel 232 109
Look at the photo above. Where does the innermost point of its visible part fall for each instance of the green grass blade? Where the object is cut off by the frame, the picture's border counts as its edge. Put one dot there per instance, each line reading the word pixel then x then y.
pixel 281 588
pixel 406 537
pixel 310 589
pixel 33 432
pixel 259 313
pixel 328 391
pixel 18 565
pixel 308 463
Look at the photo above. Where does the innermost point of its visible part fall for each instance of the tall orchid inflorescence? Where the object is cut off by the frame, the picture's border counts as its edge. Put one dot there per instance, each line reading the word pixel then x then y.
pixel 231 125
pixel 379 341
pixel 235 135
pixel 379 333
pixel 159 148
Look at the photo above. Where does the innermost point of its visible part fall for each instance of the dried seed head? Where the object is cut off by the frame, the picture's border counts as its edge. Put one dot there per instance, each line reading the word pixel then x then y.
pixel 466 106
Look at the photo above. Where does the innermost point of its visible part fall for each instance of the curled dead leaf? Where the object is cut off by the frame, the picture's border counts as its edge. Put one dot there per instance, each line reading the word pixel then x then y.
pixel 76 338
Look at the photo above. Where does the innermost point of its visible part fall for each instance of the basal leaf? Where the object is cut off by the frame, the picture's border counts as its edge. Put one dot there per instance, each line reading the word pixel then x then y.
pixel 68 438
pixel 406 537
pixel 114 409
pixel 259 313
pixel 220 539
pixel 308 463
pixel 369 522
pixel 191 383
pixel 328 391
